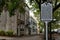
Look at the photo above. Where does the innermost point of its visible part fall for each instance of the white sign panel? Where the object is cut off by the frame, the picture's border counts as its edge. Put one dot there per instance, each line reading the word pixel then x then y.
pixel 46 12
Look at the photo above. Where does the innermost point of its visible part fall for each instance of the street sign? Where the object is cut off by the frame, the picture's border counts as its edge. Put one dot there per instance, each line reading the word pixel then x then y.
pixel 46 15
pixel 46 12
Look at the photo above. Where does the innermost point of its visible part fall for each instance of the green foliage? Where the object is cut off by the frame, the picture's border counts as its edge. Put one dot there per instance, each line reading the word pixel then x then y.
pixel 33 1
pixel 2 3
pixel 9 33
pixel 35 6
pixel 41 23
pixel 56 15
pixel 12 5
pixel 36 13
pixel 41 31
pixel 2 33
pixel 55 26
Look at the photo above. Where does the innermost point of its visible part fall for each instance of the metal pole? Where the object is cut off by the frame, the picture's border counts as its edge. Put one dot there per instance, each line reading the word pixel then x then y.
pixel 46 23
pixel 44 32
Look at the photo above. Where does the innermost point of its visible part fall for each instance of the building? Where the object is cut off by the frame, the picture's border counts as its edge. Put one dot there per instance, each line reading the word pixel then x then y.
pixel 33 26
pixel 18 22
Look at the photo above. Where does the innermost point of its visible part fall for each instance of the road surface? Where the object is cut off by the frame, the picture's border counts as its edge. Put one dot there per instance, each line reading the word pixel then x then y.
pixel 22 38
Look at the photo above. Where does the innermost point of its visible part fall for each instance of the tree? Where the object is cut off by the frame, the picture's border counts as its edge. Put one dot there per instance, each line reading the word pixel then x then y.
pixel 2 2
pixel 55 2
pixel 12 5
pixel 36 6
pixel 56 5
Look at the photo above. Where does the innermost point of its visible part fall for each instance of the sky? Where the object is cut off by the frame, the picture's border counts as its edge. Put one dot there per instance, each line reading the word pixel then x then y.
pixel 31 12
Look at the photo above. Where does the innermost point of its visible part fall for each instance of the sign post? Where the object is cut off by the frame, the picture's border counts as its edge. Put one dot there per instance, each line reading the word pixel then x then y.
pixel 46 15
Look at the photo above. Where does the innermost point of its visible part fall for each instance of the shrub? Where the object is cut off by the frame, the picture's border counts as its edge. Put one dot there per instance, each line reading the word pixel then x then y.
pixel 2 33
pixel 9 33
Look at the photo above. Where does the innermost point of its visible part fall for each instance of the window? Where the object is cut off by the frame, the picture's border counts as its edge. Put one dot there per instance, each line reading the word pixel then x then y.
pixel 21 29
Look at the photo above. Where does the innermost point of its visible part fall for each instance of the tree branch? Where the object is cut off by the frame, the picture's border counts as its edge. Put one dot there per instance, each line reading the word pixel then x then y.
pixel 56 2
pixel 44 1
pixel 56 7
pixel 37 1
